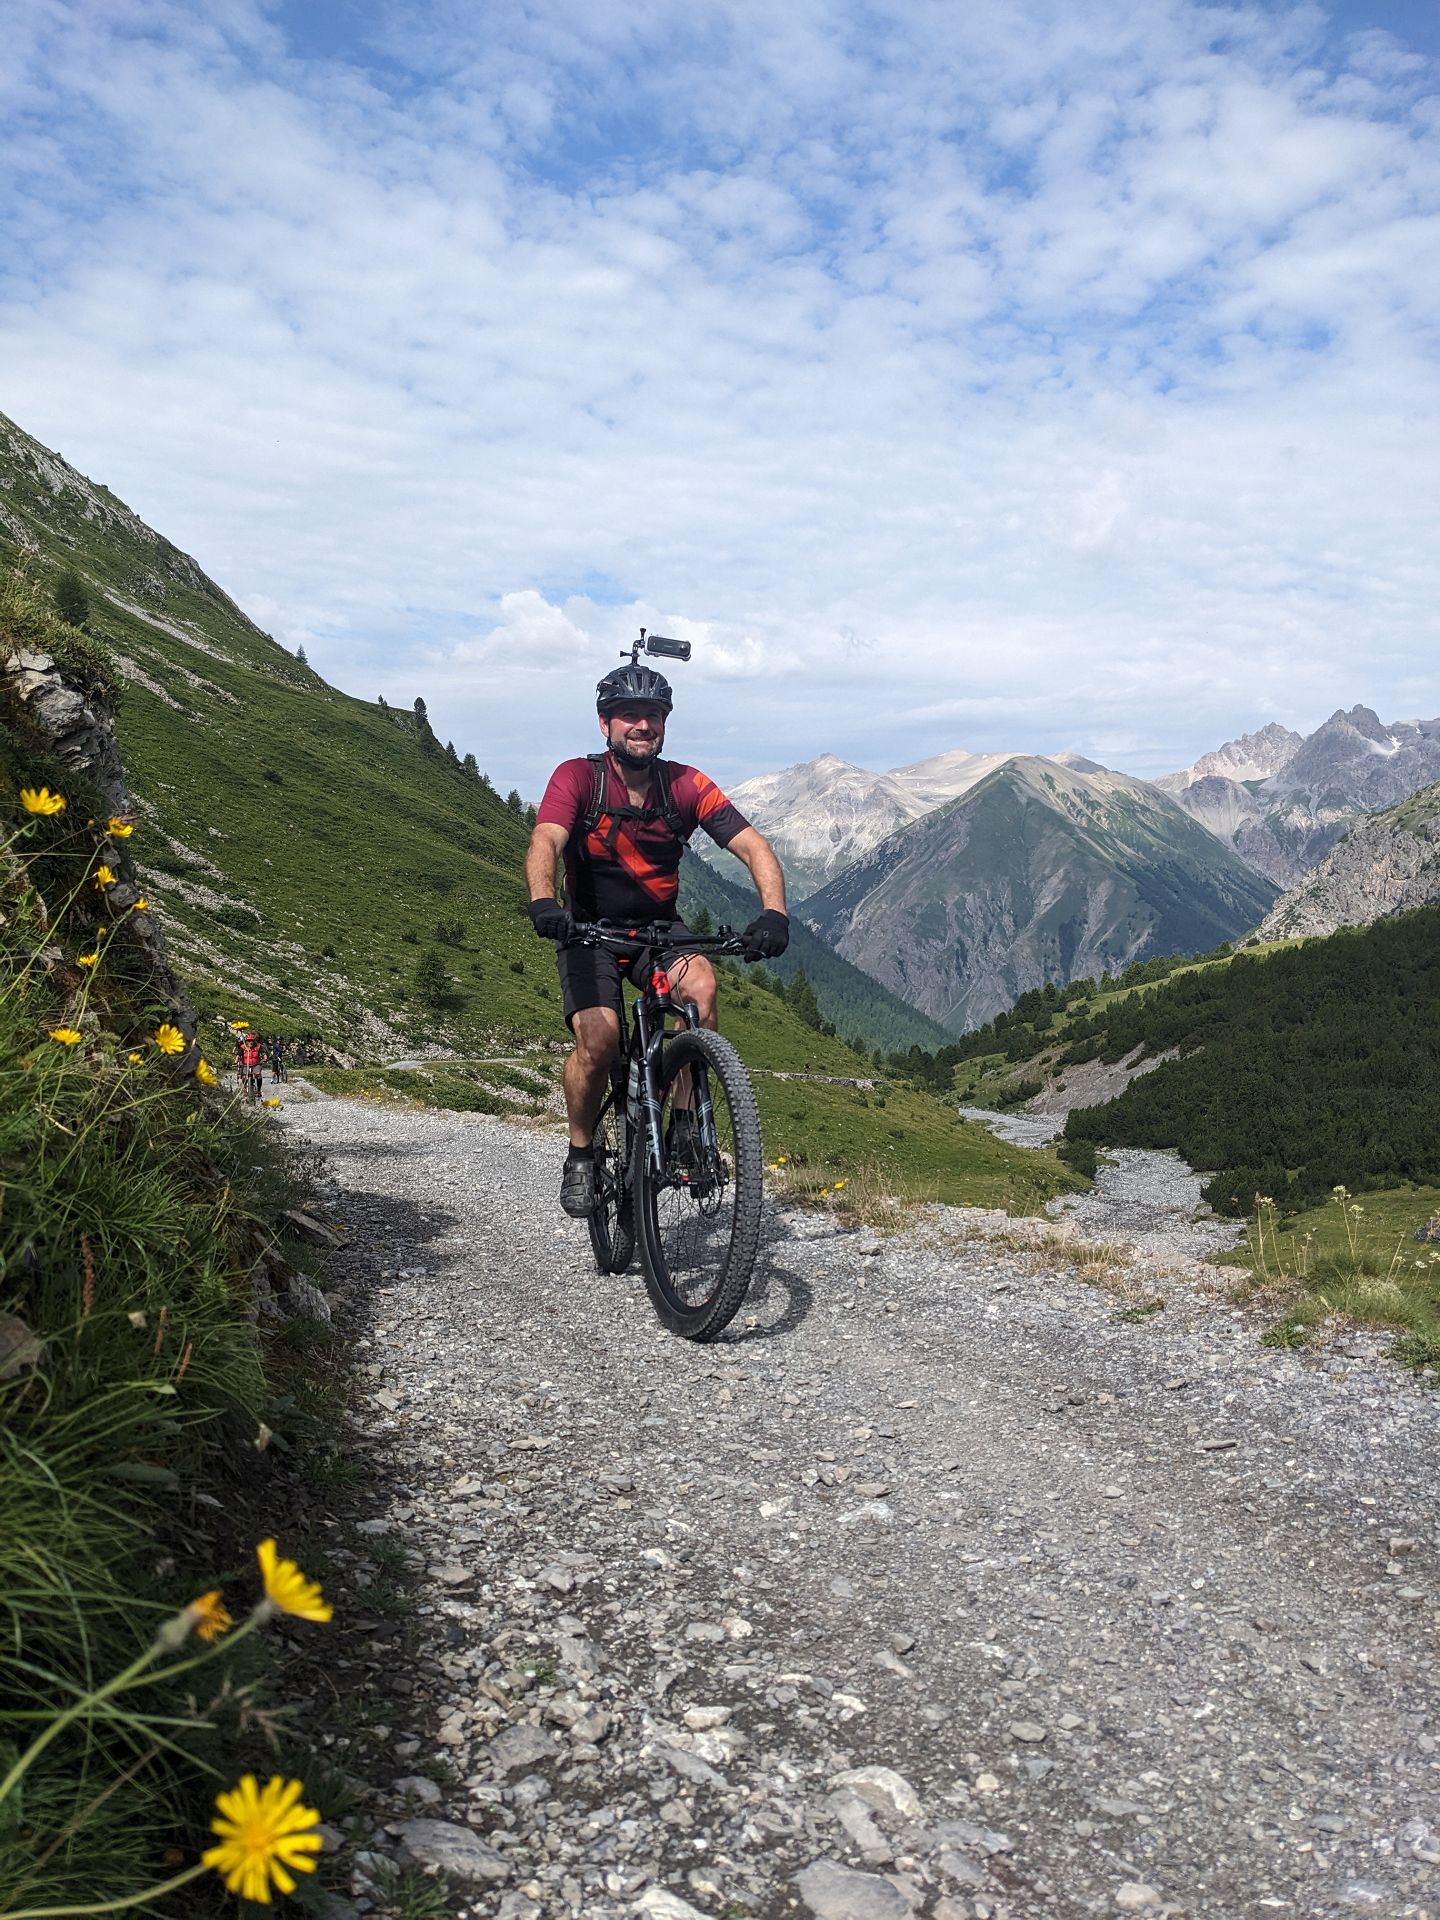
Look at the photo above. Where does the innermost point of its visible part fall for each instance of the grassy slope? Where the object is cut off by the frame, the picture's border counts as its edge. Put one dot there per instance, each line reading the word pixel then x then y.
pixel 367 834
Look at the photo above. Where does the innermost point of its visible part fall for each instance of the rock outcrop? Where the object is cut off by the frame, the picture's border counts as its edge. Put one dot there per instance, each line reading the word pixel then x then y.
pixel 1387 863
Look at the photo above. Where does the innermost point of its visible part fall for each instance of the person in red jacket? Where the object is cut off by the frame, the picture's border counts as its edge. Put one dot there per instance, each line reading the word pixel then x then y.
pixel 251 1058
pixel 621 821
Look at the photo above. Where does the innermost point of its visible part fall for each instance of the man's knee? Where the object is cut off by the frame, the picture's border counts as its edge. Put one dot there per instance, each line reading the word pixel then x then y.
pixel 596 1033
pixel 694 979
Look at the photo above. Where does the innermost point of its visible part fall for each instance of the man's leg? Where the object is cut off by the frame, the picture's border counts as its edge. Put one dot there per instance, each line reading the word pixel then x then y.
pixel 596 1032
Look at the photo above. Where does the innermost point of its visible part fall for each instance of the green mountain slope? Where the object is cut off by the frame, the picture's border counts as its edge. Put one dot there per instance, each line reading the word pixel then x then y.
pixel 1040 873
pixel 1315 1066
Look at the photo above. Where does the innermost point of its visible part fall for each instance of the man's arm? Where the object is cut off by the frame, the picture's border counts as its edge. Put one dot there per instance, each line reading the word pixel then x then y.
pixel 754 850
pixel 547 843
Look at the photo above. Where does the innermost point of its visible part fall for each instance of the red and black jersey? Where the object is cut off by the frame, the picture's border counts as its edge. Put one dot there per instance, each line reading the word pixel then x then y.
pixel 627 867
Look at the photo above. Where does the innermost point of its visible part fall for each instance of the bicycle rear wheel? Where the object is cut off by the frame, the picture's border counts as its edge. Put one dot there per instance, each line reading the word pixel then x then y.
pixel 612 1224
pixel 700 1213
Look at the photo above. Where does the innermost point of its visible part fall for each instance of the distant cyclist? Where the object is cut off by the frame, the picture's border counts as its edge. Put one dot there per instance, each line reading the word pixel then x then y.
pixel 621 819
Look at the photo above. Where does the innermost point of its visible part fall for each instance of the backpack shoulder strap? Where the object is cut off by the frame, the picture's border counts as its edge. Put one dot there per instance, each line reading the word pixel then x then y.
pixel 595 806
pixel 665 802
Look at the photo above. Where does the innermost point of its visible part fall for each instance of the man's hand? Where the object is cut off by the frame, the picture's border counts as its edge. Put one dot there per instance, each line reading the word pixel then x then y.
pixel 550 920
pixel 767 936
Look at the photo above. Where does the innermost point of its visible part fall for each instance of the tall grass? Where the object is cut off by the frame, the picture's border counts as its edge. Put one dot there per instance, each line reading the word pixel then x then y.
pixel 131 1376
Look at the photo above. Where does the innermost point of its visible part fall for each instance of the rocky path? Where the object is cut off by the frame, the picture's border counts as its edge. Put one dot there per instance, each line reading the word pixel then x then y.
pixel 938 1589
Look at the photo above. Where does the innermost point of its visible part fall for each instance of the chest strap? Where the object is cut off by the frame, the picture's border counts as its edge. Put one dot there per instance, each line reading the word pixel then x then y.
pixel 662 805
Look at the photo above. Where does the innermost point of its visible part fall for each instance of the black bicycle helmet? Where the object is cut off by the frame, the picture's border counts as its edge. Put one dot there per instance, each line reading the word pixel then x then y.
pixel 633 682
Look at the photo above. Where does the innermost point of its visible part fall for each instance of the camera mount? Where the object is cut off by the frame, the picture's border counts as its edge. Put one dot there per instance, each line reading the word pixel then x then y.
pixel 659 644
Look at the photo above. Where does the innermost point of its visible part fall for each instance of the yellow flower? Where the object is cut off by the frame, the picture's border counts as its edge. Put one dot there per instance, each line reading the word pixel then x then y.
pixel 134 1058
pixel 209 1616
pixel 837 1186
pixel 104 877
pixel 288 1589
pixel 119 829
pixel 263 1832
pixel 206 1074
pixel 142 905
pixel 238 1026
pixel 41 800
pixel 780 1159
pixel 86 959
pixel 272 1102
pixel 169 1039
pixel 67 1036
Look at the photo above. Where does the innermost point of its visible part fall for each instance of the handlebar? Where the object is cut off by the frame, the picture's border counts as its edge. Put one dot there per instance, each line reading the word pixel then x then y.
pixel 660 933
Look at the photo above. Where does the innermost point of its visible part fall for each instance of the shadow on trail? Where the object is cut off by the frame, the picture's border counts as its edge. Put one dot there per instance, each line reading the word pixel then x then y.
pixel 774 1279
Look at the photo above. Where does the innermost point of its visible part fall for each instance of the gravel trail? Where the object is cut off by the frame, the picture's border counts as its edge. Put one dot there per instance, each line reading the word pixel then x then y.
pixel 938 1589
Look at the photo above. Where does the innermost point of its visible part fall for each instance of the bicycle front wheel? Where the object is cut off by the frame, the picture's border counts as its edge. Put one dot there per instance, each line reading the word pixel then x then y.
pixel 700 1212
pixel 612 1224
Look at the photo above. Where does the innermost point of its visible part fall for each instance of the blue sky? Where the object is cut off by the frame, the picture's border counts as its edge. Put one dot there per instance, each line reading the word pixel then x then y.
pixel 1024 375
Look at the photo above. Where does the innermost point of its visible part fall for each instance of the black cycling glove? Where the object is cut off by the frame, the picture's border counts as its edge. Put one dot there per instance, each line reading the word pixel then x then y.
pixel 767 936
pixel 550 920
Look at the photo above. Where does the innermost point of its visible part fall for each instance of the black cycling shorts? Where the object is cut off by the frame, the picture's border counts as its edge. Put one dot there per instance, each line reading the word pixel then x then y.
pixel 591 976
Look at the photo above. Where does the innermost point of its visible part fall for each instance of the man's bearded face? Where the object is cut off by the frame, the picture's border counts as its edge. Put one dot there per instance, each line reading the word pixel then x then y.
pixel 634 732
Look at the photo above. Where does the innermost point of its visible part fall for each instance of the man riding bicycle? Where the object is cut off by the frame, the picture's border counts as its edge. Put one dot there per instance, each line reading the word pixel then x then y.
pixel 622 819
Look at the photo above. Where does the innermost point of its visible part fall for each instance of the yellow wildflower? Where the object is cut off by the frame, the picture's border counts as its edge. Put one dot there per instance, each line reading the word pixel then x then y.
pixel 86 959
pixel 206 1074
pixel 837 1186
pixel 169 1039
pixel 209 1616
pixel 67 1036
pixel 238 1026
pixel 104 877
pixel 134 1058
pixel 142 905
pixel 272 1102
pixel 41 800
pixel 287 1589
pixel 265 1835
pixel 119 829
pixel 780 1159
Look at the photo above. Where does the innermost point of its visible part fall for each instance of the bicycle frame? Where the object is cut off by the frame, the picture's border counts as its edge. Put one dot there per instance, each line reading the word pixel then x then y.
pixel 654 1004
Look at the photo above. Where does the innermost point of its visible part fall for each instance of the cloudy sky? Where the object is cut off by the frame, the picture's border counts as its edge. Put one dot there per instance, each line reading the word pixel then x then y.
pixel 955 373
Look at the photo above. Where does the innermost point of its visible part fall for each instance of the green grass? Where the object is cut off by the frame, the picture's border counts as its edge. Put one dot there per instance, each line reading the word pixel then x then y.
pixel 1354 1260
pixel 132 1380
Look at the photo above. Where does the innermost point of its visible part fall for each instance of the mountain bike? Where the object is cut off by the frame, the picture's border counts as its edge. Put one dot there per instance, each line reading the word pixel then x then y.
pixel 678 1159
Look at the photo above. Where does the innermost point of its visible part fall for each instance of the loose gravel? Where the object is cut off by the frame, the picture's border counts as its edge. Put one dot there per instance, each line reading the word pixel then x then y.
pixel 939 1588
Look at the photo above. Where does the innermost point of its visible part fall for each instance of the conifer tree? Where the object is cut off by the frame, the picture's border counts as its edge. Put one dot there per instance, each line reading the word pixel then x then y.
pixel 300 657
pixel 70 599
pixel 432 983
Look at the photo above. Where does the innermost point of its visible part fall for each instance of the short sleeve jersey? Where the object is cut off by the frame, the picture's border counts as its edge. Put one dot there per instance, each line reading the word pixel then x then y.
pixel 628 866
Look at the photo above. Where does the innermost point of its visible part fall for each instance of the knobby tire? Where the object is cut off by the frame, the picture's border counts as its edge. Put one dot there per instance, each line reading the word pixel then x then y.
pixel 698 1241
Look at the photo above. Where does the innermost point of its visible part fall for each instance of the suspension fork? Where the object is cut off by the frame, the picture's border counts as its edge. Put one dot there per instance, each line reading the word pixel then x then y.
pixel 650 1031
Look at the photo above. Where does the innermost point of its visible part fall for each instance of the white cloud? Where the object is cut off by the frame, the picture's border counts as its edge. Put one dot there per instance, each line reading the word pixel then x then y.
pixel 1009 376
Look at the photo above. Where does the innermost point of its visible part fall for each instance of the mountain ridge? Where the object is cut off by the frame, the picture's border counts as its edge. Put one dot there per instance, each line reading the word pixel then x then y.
pixel 1037 874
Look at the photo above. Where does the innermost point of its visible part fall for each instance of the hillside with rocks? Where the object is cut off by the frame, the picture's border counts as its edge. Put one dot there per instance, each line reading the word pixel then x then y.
pixel 1040 873
pixel 1388 862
